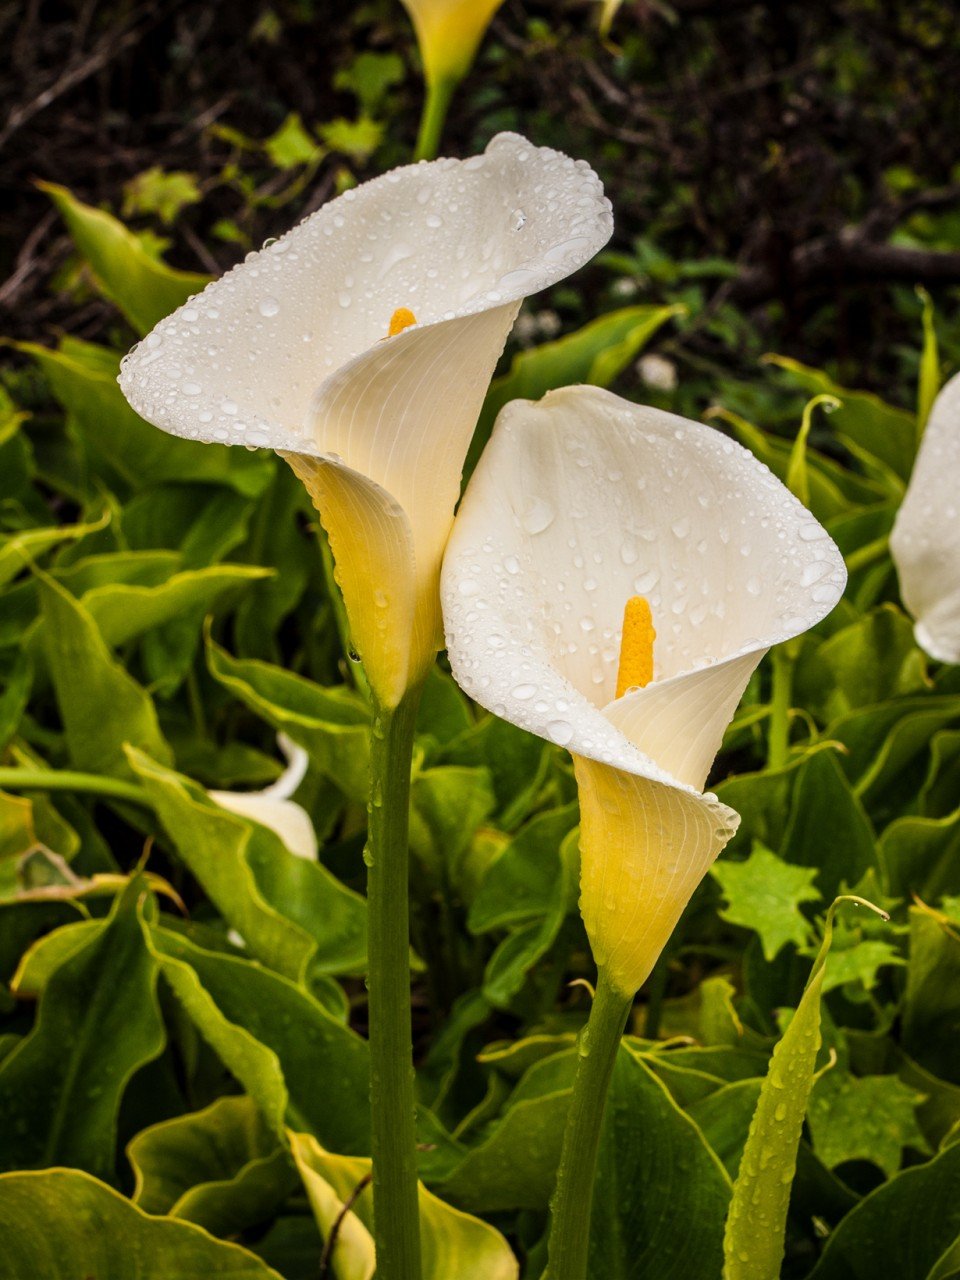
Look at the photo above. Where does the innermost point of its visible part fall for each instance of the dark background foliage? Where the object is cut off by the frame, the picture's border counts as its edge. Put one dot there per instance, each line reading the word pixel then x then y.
pixel 795 160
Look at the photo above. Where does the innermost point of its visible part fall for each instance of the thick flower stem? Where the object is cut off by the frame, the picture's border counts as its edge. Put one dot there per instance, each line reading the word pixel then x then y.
pixel 572 1200
pixel 396 1211
pixel 435 107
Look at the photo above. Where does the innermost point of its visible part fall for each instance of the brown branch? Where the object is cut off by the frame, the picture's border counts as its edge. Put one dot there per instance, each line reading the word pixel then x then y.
pixel 108 49
pixel 847 256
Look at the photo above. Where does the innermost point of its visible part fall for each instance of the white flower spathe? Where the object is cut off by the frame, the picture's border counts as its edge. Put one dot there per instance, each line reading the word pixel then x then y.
pixel 273 808
pixel 925 542
pixel 290 351
pixel 580 502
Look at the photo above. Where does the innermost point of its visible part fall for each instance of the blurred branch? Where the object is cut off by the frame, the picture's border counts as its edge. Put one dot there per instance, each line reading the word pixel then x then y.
pixel 851 254
pixel 109 48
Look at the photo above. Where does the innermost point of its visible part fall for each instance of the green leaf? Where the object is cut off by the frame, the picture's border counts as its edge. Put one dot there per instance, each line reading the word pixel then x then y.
pixel 661 1194
pixel 595 354
pixel 723 1117
pixel 357 139
pixel 515 1164
pixel 520 951
pixel 753 1243
pixel 144 289
pixel 931 1007
pixel 901 1229
pixel 20 550
pixel 798 477
pixel 863 419
pixel 859 963
pixel 518 763
pixel 101 705
pixel 764 893
pixel 921 856
pixel 371 76
pixel 828 829
pixel 220 1168
pixel 163 192
pixel 867 1118
pixel 332 725
pixel 276 1039
pixel 124 448
pixel 888 747
pixel 520 884
pixel 291 145
pixel 61 1224
pixel 452 1242
pixel 98 1023
pixel 448 804
pixel 290 911
pixel 929 363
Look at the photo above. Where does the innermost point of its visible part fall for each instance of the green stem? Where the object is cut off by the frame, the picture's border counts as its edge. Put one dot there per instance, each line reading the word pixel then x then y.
pixel 434 116
pixel 393 1128
pixel 14 779
pixel 779 733
pixel 571 1204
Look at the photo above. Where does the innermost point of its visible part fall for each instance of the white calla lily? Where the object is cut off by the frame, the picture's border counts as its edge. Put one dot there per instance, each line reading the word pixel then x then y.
pixel 273 808
pixel 925 542
pixel 360 346
pixel 579 503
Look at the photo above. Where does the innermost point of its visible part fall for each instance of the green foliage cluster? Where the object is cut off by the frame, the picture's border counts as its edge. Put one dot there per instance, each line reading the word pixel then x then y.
pixel 183 1074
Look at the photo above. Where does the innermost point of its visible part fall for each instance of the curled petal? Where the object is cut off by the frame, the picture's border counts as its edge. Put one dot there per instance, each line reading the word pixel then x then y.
pixel 644 848
pixel 582 501
pixel 273 808
pixel 290 351
pixel 925 542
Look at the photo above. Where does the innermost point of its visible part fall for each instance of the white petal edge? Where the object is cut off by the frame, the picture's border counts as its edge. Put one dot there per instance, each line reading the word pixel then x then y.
pixel 925 542
pixel 273 808
pixel 558 486
pixel 242 362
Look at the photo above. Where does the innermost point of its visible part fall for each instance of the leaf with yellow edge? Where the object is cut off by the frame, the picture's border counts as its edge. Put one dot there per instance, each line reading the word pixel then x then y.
pixel 144 289
pixel 753 1241
pixel 61 1224
pixel 101 704
pixel 798 479
pixel 453 1242
pixel 20 548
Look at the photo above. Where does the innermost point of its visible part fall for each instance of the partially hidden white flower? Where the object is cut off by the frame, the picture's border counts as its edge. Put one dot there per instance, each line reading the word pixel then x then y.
pixel 580 503
pixel 273 808
pixel 925 542
pixel 360 346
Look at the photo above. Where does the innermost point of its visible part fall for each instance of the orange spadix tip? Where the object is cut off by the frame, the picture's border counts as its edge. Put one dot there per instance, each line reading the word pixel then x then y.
pixel 401 319
pixel 636 646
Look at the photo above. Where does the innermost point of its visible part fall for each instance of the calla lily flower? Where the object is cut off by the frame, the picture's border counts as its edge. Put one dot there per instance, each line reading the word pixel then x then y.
pixel 360 346
pixel 586 510
pixel 925 541
pixel 273 808
pixel 449 33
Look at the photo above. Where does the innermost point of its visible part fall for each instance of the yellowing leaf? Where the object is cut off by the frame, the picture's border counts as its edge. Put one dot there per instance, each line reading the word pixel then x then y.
pixel 144 289
pixel 453 1242
pixel 62 1224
